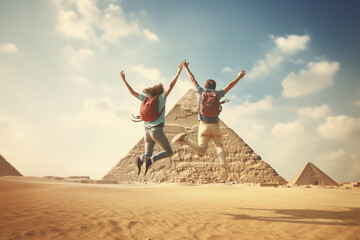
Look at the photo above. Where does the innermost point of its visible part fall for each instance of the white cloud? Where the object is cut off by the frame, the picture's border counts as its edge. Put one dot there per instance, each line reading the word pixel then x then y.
pixel 115 25
pixel 316 112
pixel 331 156
pixel 72 26
pixel 8 48
pixel 78 19
pixel 339 165
pixel 249 127
pixel 340 127
pixel 83 20
pixel 251 130
pixel 292 43
pixel 254 129
pixel 288 130
pixel 82 81
pixel 151 36
pixel 10 128
pixel 110 89
pixel 81 58
pixel 297 61
pixel 316 76
pixel 100 112
pixel 89 11
pixel 285 46
pixel 265 66
pixel 251 108
pixel 244 118
pixel 152 74
pixel 227 69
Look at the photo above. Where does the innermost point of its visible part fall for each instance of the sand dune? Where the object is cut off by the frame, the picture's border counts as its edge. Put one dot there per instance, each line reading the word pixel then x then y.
pixel 38 208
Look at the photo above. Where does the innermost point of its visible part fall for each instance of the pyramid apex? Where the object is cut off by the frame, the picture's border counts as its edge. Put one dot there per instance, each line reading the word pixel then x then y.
pixel 188 102
pixel 190 95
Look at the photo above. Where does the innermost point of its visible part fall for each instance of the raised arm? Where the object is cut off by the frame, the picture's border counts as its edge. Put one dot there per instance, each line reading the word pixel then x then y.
pixel 173 82
pixel 135 94
pixel 191 76
pixel 235 81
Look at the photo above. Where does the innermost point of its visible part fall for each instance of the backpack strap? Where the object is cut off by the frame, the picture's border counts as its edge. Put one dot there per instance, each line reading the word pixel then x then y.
pixel 224 101
pixel 161 111
pixel 135 118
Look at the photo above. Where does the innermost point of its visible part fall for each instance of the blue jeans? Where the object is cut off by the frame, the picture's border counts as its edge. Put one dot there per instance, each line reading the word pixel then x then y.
pixel 156 135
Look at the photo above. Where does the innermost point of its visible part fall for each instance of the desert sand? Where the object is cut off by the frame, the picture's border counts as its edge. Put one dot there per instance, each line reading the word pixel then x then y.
pixel 40 208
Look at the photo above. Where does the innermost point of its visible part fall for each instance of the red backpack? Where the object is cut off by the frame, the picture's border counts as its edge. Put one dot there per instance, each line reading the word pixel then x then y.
pixel 210 105
pixel 149 110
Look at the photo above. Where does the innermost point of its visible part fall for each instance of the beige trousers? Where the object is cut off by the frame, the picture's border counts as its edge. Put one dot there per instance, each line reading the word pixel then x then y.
pixel 207 132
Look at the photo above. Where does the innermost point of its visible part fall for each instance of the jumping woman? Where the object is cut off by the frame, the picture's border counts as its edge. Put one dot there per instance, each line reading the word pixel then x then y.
pixel 152 112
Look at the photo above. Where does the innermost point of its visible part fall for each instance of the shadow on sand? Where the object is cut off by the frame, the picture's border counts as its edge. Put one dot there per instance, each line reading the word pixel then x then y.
pixel 348 217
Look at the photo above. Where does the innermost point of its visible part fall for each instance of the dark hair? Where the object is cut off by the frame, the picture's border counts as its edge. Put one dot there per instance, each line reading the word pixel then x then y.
pixel 210 84
pixel 154 91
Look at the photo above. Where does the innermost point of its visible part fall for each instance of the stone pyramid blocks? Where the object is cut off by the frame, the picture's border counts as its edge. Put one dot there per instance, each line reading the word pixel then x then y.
pixel 244 165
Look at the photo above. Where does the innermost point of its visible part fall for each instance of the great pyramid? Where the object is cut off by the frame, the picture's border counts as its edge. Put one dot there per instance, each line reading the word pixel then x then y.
pixel 6 169
pixel 311 175
pixel 244 166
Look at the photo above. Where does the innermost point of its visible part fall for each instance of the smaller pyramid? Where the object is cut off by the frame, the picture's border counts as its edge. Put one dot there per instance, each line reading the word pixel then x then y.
pixel 6 169
pixel 311 175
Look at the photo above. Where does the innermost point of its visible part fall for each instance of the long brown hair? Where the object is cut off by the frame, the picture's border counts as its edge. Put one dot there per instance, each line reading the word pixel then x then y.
pixel 154 91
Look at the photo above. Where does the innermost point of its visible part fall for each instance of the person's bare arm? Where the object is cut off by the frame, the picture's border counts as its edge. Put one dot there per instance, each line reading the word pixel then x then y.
pixel 191 76
pixel 235 81
pixel 135 94
pixel 173 82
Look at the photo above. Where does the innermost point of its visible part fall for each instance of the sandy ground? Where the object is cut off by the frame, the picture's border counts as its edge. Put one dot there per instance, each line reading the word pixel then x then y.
pixel 38 208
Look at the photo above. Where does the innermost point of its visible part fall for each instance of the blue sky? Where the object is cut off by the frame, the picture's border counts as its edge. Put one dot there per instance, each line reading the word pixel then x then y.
pixel 64 110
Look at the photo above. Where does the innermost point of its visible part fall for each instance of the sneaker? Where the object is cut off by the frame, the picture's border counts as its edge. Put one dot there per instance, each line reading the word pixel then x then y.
pixel 138 163
pixel 147 163
pixel 178 138
pixel 224 174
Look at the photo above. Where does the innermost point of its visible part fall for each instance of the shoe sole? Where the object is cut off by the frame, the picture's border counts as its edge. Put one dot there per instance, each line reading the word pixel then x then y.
pixel 137 169
pixel 146 169
pixel 224 174
pixel 143 166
